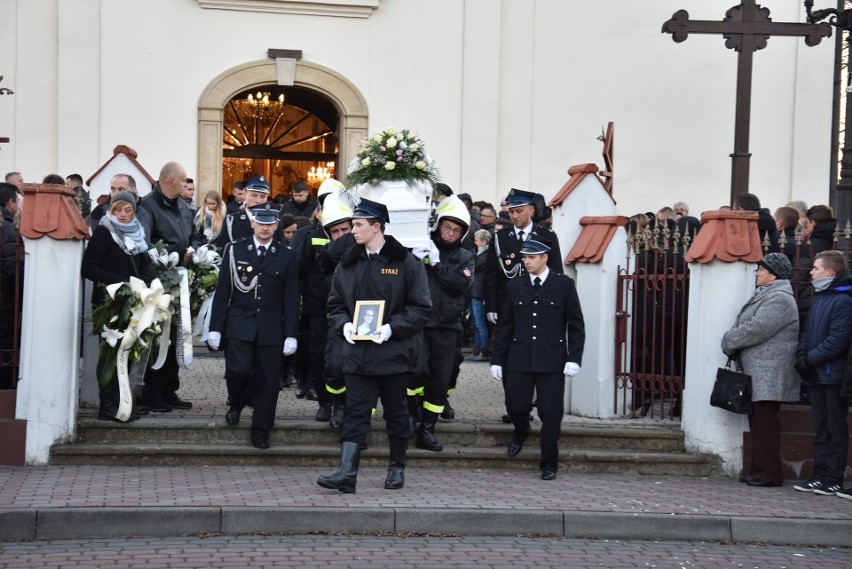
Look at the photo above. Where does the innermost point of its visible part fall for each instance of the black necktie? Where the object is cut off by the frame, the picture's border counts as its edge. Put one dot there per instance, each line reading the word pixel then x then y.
pixel 261 251
pixel 536 283
pixel 521 235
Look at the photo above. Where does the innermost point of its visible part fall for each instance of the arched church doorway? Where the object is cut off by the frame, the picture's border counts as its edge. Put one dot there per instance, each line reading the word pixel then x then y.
pixel 282 133
pixel 318 96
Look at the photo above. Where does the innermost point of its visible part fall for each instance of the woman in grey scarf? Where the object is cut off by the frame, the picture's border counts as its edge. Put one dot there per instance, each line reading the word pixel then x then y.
pixel 764 339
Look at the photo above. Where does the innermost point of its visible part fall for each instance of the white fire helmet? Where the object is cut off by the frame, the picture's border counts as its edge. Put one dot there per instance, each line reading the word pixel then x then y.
pixel 334 210
pixel 329 186
pixel 453 208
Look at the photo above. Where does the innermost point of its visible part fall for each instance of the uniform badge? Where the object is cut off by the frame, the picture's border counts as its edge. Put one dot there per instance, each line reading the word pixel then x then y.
pixel 508 262
pixel 512 256
pixel 249 269
pixel 244 279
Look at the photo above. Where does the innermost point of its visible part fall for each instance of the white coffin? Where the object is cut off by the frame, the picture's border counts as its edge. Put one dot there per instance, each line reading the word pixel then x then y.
pixel 409 207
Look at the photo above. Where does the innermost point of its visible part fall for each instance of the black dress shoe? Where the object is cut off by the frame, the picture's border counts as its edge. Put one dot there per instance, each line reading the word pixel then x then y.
pixel 548 475
pixel 178 403
pixel 514 448
pixel 311 394
pixel 300 392
pixel 232 417
pixel 323 414
pixel 761 483
pixel 156 406
pixel 745 479
pixel 260 440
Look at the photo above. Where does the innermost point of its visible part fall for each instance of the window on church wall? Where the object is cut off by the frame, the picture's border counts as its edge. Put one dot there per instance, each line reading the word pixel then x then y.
pixel 282 133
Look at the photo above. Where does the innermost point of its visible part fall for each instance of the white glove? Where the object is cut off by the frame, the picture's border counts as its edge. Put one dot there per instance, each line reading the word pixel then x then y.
pixel 434 254
pixel 571 369
pixel 348 330
pixel 383 333
pixel 213 340
pixel 492 317
pixel 290 345
pixel 420 252
pixel 497 372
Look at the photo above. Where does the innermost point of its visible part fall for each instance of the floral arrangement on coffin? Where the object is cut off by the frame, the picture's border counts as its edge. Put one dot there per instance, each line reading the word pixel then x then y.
pixel 132 319
pixel 391 154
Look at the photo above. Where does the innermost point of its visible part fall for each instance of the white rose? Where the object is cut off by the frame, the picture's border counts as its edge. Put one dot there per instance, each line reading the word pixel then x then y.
pixel 411 136
pixel 390 130
pixel 414 148
pixel 420 165
pixel 366 161
pixel 391 142
pixel 377 138
pixel 390 165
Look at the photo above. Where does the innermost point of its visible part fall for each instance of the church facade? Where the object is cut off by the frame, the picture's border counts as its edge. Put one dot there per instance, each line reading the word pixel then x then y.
pixel 505 93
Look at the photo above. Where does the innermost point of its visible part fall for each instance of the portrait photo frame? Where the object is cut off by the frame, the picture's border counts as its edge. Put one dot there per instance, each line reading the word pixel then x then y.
pixel 368 318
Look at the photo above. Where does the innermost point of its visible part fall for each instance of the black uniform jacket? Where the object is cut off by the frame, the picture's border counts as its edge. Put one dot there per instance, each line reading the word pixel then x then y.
pixel 505 262
pixel 449 281
pixel 395 276
pixel 531 332
pixel 312 280
pixel 267 314
pixel 238 226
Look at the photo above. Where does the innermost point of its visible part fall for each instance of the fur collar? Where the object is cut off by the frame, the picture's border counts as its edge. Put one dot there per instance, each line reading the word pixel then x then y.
pixel 392 249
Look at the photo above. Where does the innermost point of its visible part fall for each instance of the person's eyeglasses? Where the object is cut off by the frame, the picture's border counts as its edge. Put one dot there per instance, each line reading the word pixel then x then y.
pixel 451 230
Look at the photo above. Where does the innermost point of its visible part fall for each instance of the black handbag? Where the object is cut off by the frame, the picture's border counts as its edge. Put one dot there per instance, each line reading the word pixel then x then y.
pixel 732 390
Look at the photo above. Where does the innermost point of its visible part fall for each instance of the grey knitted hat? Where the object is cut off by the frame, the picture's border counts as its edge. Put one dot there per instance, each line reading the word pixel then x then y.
pixel 777 264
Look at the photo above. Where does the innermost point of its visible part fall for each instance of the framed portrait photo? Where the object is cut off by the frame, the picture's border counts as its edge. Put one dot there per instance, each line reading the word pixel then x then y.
pixel 368 318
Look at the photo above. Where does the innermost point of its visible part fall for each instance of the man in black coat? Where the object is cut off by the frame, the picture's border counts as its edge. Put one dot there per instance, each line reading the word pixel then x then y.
pixel 256 310
pixel 538 342
pixel 504 253
pixel 300 203
pixel 238 224
pixel 377 269
pixel 167 218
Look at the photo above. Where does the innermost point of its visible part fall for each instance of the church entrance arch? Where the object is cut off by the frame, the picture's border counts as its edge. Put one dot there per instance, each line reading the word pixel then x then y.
pixel 231 134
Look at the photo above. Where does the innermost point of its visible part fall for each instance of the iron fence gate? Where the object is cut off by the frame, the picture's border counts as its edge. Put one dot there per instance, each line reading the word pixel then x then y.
pixel 651 318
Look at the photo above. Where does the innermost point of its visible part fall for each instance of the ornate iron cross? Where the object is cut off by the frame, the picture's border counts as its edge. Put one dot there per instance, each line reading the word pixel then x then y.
pixel 746 29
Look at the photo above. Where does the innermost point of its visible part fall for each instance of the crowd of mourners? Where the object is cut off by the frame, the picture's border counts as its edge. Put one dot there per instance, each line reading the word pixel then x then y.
pixel 313 295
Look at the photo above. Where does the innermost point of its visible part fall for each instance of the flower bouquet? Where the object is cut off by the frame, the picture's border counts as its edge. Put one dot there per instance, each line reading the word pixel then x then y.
pixel 203 272
pixel 391 154
pixel 133 319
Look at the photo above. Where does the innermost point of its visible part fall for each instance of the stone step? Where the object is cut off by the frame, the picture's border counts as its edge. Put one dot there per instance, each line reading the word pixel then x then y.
pixel 201 430
pixel 326 457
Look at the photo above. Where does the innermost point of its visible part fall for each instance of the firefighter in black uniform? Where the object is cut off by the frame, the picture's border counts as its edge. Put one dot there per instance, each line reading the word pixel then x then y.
pixel 378 268
pixel 503 262
pixel 238 223
pixel 334 222
pixel 538 342
pixel 449 268
pixel 256 311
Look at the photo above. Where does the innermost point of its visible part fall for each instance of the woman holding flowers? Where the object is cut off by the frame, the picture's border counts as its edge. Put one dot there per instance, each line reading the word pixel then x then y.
pixel 116 252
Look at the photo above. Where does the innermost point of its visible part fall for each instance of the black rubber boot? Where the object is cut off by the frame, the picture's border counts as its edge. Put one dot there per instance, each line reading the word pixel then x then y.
pixel 109 407
pixel 396 468
pixel 426 435
pixel 345 478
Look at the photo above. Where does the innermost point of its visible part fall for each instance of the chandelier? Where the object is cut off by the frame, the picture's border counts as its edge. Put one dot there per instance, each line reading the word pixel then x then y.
pixel 320 174
pixel 260 105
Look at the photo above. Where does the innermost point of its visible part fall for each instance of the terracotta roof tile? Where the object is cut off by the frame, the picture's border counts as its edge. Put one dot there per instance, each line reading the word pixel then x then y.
pixel 726 235
pixel 49 209
pixel 131 155
pixel 595 238
pixel 576 173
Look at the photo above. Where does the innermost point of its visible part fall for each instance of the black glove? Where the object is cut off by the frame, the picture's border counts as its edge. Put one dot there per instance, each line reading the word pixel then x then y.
pixel 805 370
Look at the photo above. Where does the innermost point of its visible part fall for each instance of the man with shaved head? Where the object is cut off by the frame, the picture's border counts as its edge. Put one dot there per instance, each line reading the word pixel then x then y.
pixel 169 220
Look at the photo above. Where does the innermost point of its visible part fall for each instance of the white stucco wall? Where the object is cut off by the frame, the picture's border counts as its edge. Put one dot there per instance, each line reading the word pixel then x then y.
pixel 506 93
pixel 717 291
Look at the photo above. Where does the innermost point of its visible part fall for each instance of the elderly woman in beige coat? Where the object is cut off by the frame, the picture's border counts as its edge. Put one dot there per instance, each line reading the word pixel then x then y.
pixel 764 338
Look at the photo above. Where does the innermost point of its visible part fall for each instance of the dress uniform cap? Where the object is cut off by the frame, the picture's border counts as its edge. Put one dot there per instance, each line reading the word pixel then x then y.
pixel 369 209
pixel 536 246
pixel 266 213
pixel 258 184
pixel 518 198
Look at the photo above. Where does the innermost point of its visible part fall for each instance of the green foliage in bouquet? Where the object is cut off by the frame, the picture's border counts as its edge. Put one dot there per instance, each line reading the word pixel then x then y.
pixel 391 155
